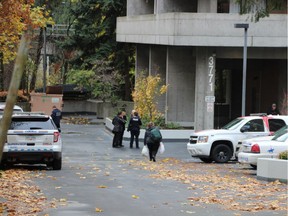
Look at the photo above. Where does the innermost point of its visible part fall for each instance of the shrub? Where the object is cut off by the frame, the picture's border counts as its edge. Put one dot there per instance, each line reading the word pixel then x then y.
pixel 21 97
pixel 147 90
pixel 283 155
pixel 172 125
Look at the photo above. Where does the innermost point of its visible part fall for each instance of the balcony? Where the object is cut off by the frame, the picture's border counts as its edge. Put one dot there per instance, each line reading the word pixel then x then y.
pixel 202 29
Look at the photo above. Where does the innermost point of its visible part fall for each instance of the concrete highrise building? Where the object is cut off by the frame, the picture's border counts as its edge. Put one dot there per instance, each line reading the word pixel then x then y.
pixel 198 52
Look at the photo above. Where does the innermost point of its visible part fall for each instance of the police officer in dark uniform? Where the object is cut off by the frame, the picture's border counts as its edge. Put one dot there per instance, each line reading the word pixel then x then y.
pixel 118 129
pixel 134 128
pixel 56 116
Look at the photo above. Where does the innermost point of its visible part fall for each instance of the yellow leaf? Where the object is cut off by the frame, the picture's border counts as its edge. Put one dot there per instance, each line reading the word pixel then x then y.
pixel 98 210
pixel 135 197
pixel 101 186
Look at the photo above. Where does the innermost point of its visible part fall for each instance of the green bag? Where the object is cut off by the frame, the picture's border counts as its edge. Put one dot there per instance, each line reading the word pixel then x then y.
pixel 156 135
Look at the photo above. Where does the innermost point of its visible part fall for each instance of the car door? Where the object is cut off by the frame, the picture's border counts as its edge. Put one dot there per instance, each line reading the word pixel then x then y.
pixel 254 128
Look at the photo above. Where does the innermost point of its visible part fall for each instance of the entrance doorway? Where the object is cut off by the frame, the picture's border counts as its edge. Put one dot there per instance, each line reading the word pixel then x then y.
pixel 266 83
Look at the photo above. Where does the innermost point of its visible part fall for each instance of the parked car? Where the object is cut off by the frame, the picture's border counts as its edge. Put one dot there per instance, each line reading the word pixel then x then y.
pixel 15 109
pixel 33 139
pixel 220 145
pixel 249 142
pixel 263 149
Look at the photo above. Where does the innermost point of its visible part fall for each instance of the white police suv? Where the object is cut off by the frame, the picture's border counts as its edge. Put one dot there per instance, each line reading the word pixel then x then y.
pixel 33 138
pixel 220 145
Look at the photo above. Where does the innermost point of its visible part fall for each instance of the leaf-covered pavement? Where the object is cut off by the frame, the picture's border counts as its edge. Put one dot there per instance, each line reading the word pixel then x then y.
pixel 233 189
pixel 19 195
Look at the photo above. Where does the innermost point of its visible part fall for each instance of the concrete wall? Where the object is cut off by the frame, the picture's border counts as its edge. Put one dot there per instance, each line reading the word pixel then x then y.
pixel 167 135
pixel 202 29
pixel 271 169
pixel 99 108
pixel 181 89
pixel 158 66
pixel 167 6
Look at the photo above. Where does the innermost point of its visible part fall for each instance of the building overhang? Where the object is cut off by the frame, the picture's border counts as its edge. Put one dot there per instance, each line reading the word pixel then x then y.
pixel 202 29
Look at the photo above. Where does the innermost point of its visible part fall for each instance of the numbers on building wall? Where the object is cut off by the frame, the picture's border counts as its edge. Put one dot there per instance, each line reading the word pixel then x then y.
pixel 211 65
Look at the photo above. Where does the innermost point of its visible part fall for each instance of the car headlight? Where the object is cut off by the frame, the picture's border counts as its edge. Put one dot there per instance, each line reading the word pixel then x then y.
pixel 203 139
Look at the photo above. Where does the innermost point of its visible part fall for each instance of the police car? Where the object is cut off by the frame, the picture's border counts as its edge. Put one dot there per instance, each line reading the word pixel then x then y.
pixel 220 145
pixel 263 149
pixel 33 138
pixel 15 108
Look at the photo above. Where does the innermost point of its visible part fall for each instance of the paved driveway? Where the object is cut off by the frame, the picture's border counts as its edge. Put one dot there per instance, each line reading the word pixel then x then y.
pixel 97 179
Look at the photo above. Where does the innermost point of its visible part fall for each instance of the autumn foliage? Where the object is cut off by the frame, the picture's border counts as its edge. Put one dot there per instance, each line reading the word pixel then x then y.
pixel 147 89
pixel 21 96
pixel 16 16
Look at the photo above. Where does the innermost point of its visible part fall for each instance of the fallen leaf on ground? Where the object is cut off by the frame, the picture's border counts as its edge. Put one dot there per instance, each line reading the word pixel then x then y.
pixel 135 197
pixel 98 210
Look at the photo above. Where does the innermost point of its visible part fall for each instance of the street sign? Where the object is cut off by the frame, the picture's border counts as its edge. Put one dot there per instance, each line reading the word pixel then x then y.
pixel 209 99
pixel 210 107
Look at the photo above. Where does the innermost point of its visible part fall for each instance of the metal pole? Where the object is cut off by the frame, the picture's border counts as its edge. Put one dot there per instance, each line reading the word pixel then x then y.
pixel 244 73
pixel 44 60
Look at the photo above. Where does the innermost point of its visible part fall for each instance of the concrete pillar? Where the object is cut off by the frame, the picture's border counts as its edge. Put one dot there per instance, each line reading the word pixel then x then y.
pixel 234 7
pixel 181 85
pixel 207 6
pixel 142 59
pixel 158 66
pixel 205 87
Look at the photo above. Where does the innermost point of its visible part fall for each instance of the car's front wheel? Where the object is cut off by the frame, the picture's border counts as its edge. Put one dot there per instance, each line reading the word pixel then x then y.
pixel 57 164
pixel 221 153
pixel 206 160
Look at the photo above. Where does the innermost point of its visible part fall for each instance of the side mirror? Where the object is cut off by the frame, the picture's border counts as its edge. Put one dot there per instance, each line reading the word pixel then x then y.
pixel 242 130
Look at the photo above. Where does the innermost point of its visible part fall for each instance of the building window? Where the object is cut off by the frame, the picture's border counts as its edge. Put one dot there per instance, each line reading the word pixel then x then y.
pixel 223 6
pixel 273 7
pixel 281 7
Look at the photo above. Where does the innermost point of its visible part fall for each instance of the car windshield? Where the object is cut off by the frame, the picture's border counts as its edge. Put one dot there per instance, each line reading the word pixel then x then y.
pixel 31 124
pixel 281 138
pixel 281 131
pixel 232 123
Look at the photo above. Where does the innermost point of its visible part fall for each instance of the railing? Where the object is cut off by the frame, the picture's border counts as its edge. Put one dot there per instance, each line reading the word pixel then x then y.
pixel 59 30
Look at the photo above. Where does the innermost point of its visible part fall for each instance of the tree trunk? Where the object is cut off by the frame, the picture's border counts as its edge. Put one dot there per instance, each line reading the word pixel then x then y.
pixel 37 60
pixel 1 72
pixel 65 65
pixel 13 89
